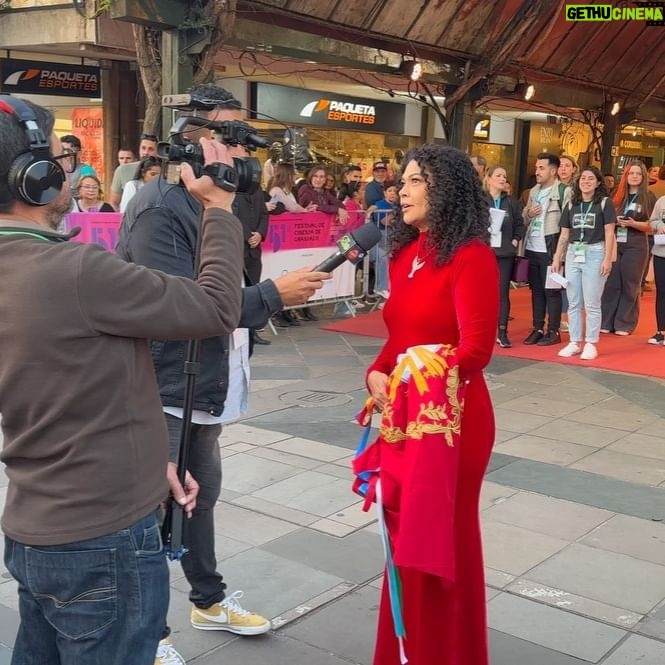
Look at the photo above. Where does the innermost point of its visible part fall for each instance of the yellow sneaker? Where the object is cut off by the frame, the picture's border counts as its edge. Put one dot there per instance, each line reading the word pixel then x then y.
pixel 229 615
pixel 167 655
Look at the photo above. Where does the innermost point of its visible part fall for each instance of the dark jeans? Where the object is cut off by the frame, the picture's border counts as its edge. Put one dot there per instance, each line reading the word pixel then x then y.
pixel 621 297
pixel 505 264
pixel 659 279
pixel 205 465
pixel 543 300
pixel 101 601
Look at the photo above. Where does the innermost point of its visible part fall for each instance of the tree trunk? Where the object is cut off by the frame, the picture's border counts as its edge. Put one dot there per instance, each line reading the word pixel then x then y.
pixel 147 56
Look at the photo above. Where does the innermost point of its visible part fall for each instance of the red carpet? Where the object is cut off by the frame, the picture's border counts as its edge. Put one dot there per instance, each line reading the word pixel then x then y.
pixel 629 354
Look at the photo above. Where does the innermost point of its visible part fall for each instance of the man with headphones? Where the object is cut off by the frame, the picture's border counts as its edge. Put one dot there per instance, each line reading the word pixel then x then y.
pixel 85 441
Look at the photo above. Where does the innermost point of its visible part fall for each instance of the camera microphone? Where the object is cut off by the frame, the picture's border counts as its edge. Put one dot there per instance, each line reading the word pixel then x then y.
pixel 352 246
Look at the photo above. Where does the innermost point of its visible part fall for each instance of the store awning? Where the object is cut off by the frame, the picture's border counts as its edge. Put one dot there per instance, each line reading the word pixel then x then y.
pixel 571 62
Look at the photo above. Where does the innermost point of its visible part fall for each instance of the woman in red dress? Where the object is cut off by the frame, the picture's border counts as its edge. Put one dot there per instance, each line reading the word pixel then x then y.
pixel 444 290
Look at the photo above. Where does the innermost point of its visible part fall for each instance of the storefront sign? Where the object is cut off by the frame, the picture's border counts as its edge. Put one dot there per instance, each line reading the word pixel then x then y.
pixel 50 78
pixel 481 128
pixel 88 125
pixel 646 146
pixel 99 228
pixel 324 109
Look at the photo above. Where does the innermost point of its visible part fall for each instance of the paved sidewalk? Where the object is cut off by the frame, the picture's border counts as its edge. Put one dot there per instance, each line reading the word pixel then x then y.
pixel 572 514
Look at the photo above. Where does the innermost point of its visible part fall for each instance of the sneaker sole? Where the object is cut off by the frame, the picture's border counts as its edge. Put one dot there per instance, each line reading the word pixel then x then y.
pixel 655 342
pixel 258 630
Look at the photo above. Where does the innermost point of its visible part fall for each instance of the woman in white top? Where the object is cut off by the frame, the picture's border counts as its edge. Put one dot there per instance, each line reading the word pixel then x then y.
pixel 148 168
pixel 281 189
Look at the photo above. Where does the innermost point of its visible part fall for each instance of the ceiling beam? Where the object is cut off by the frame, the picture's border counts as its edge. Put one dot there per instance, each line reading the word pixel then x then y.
pixel 252 36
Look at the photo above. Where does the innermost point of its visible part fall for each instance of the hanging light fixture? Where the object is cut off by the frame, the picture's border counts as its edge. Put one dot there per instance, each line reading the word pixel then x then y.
pixel 412 69
pixel 529 92
pixel 616 107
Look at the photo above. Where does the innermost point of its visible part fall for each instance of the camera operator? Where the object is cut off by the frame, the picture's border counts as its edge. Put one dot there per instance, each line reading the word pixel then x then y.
pixel 160 230
pixel 85 443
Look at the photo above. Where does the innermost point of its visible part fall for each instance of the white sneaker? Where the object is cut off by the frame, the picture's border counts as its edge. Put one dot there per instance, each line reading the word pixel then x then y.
pixel 571 349
pixel 167 655
pixel 590 352
pixel 356 304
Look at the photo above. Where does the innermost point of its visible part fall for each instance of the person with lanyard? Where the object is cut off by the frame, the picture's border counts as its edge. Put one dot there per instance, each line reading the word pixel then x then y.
pixel 657 222
pixel 621 297
pixel 506 231
pixel 541 215
pixel 585 245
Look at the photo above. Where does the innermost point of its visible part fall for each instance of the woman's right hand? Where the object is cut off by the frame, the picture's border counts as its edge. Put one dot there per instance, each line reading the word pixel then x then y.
pixel 377 382
pixel 311 207
pixel 556 265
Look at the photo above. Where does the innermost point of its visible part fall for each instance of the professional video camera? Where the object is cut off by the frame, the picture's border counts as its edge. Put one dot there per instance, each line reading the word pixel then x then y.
pixel 244 176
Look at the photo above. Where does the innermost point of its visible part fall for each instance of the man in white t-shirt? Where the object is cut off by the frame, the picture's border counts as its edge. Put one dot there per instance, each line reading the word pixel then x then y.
pixel 541 216
pixel 126 172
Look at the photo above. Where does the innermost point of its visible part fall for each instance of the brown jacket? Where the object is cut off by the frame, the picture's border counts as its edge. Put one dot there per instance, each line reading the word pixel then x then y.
pixel 85 439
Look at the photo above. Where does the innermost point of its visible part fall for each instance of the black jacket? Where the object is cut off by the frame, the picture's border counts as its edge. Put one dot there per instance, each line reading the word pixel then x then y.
pixel 160 231
pixel 512 227
pixel 251 210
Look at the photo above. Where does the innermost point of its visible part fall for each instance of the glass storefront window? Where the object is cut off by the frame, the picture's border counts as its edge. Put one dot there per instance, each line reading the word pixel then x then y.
pixel 337 147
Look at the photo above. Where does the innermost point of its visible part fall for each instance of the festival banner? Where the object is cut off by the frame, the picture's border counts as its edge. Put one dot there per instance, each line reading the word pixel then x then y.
pixel 297 230
pixel 297 240
pixel 100 228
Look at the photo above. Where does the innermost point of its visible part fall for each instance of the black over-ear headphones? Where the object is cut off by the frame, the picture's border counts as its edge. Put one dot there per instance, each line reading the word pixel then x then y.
pixel 33 177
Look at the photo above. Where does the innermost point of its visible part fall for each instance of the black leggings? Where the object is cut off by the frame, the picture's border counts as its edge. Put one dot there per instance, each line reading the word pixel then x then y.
pixel 505 264
pixel 659 279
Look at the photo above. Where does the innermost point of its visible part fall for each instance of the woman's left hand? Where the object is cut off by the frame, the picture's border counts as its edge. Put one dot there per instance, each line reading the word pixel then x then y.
pixel 343 215
pixel 377 382
pixel 605 267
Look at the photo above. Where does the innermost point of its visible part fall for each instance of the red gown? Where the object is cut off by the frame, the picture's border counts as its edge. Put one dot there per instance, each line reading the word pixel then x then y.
pixel 455 304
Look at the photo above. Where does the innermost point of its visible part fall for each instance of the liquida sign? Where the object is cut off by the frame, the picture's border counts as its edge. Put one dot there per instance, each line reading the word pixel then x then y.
pixel 50 78
pixel 311 107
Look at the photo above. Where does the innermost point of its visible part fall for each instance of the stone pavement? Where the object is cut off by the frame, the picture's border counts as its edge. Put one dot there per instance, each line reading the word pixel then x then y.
pixel 572 508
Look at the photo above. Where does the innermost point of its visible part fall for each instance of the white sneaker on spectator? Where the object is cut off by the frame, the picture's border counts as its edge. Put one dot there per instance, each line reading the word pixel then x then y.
pixel 590 352
pixel 571 349
pixel 167 655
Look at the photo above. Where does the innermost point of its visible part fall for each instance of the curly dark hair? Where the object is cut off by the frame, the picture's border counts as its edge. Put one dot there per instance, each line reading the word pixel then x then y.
pixel 599 194
pixel 458 209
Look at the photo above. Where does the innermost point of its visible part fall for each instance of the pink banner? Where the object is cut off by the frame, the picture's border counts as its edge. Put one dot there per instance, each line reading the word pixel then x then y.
pixel 100 228
pixel 298 230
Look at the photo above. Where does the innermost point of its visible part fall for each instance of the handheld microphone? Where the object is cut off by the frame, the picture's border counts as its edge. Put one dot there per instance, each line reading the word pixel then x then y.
pixel 352 246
